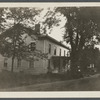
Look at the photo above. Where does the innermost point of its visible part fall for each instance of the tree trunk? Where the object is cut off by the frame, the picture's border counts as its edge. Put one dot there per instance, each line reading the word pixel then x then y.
pixel 12 64
pixel 74 64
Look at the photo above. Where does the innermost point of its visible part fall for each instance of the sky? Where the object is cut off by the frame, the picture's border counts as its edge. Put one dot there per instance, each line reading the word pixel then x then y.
pixel 57 31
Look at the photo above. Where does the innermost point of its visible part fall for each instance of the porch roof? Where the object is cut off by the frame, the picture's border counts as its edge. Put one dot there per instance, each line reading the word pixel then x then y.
pixel 60 57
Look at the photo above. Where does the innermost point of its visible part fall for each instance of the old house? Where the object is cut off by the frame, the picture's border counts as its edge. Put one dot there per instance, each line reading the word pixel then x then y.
pixel 56 52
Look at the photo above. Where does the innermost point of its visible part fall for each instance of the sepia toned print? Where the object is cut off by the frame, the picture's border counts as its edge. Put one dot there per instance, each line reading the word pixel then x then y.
pixel 49 48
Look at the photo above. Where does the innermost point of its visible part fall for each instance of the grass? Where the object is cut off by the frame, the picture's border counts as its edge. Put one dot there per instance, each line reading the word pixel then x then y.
pixel 50 82
pixel 84 84
pixel 9 79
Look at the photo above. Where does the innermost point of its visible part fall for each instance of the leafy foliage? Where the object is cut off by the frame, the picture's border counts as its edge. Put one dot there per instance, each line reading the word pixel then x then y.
pixel 11 41
pixel 19 15
pixel 81 30
pixel 13 44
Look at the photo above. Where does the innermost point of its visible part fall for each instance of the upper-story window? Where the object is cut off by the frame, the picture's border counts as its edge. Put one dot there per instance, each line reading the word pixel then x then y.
pixel 55 50
pixel 68 54
pixel 32 46
pixel 49 48
pixel 60 53
pixel 64 52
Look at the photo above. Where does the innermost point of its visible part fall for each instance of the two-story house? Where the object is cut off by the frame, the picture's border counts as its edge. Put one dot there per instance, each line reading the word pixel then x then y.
pixel 46 44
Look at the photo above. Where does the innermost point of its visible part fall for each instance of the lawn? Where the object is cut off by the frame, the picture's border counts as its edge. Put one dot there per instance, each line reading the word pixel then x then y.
pixel 9 79
pixel 47 82
pixel 91 83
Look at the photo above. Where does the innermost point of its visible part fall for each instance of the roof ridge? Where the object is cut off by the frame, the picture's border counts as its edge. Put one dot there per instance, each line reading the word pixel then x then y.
pixel 44 36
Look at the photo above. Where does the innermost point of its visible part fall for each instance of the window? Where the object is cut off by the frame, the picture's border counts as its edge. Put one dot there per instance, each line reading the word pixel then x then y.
pixel 60 53
pixel 49 48
pixel 64 52
pixel 32 46
pixel 18 62
pixel 68 54
pixel 55 50
pixel 5 62
pixel 31 64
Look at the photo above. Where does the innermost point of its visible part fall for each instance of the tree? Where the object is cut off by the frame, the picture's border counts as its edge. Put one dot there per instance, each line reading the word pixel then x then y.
pixel 12 43
pixel 89 59
pixel 2 19
pixel 81 30
pixel 12 38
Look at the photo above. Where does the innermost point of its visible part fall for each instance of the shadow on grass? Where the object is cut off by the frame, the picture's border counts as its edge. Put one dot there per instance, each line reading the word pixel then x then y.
pixel 11 80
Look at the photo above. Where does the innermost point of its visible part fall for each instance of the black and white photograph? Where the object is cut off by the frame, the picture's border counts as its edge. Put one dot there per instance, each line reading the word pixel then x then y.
pixel 49 48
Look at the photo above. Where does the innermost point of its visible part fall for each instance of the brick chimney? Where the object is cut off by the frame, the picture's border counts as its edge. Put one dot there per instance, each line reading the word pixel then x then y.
pixel 37 28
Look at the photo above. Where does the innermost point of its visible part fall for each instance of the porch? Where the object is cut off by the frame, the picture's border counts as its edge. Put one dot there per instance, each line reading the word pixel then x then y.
pixel 60 64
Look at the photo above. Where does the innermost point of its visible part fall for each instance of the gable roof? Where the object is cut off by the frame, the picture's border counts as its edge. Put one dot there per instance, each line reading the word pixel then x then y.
pixel 33 32
pixel 46 37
